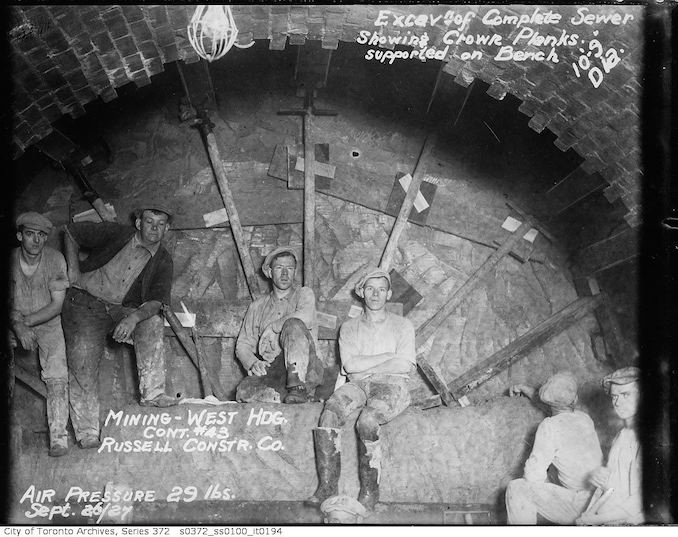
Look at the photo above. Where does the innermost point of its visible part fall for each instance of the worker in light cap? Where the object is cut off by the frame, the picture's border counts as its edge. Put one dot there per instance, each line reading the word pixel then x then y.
pixel 568 441
pixel 277 340
pixel 620 481
pixel 38 284
pixel 377 355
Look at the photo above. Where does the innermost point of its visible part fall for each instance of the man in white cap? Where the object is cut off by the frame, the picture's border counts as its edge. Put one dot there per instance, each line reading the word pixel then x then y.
pixel 38 286
pixel 277 340
pixel 621 480
pixel 377 354
pixel 568 441
pixel 118 289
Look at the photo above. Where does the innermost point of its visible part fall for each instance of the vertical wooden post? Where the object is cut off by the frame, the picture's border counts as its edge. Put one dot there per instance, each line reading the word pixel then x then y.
pixel 309 203
pixel 408 202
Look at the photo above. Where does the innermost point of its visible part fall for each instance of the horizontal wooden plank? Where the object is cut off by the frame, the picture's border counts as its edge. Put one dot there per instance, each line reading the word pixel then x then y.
pixel 218 318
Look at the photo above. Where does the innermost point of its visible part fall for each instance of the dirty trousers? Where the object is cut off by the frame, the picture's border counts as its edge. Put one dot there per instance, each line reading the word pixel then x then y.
pixel 525 499
pixel 87 323
pixel 297 364
pixel 54 372
pixel 383 396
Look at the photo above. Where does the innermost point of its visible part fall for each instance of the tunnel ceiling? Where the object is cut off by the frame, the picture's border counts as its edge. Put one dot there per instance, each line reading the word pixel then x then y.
pixel 64 57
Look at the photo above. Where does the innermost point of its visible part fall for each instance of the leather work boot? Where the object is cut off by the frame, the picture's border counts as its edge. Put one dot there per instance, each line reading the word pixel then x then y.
pixel 296 395
pixel 161 401
pixel 369 469
pixel 90 442
pixel 327 462
pixel 57 416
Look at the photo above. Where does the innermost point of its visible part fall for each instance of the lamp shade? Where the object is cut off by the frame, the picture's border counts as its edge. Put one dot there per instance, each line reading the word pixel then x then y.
pixel 212 31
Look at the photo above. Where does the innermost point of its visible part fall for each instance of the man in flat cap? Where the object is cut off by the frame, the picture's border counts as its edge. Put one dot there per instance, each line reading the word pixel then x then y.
pixel 38 286
pixel 377 355
pixel 620 482
pixel 568 441
pixel 277 341
pixel 117 289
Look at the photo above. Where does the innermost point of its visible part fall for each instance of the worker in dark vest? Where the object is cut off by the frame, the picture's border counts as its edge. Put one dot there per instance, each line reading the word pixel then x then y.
pixel 38 283
pixel 118 291
pixel 277 341
pixel 377 355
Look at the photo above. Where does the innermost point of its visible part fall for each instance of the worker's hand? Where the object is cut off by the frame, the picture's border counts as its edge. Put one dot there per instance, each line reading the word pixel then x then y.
pixel 258 368
pixel 122 333
pixel 599 477
pixel 26 336
pixel 73 274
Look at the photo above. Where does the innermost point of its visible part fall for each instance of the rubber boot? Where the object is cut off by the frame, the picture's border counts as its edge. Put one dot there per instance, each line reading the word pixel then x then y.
pixel 296 391
pixel 57 417
pixel 369 471
pixel 327 462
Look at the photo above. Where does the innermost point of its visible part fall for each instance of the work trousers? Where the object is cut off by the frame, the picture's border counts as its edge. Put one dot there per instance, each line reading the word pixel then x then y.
pixel 297 365
pixel 526 499
pixel 383 397
pixel 87 322
pixel 54 372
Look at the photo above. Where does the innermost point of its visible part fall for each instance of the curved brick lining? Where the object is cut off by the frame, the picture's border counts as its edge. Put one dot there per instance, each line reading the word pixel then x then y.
pixel 64 57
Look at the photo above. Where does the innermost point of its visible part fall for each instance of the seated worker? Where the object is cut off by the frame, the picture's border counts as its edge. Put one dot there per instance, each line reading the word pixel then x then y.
pixel 277 340
pixel 620 481
pixel 568 441
pixel 38 283
pixel 377 353
pixel 118 290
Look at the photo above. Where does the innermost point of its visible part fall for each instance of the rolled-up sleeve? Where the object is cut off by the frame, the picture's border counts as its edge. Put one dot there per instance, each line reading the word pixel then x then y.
pixel 543 451
pixel 305 308
pixel 58 280
pixel 348 343
pixel 405 348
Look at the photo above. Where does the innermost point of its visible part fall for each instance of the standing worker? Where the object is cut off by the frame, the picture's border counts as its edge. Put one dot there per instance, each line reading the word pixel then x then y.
pixel 38 286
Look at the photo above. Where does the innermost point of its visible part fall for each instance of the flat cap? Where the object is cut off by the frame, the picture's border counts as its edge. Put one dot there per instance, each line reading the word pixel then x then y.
pixel 34 220
pixel 625 375
pixel 155 206
pixel 343 509
pixel 266 266
pixel 372 273
pixel 559 390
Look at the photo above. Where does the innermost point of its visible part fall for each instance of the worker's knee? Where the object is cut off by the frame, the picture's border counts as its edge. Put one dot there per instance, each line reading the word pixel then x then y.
pixel 292 326
pixel 332 415
pixel 367 425
pixel 516 489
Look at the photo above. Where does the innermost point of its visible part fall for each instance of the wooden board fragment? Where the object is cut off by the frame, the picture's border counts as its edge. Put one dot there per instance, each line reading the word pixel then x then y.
pixel 403 292
pixel 278 166
pixel 324 171
pixel 427 192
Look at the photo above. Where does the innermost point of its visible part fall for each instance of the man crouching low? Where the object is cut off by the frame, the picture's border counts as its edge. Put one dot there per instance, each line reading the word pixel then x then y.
pixel 277 341
pixel 568 441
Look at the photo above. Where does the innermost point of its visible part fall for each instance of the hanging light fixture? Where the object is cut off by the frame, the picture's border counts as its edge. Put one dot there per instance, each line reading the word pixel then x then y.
pixel 212 32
